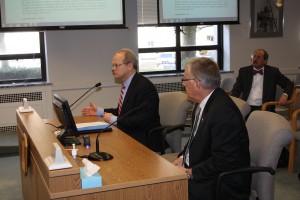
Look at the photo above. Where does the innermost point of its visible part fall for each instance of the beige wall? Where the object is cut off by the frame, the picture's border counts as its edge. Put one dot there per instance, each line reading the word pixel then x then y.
pixel 79 59
pixel 284 51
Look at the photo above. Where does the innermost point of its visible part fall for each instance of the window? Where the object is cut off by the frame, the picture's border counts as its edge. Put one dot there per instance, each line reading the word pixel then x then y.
pixel 167 49
pixel 22 57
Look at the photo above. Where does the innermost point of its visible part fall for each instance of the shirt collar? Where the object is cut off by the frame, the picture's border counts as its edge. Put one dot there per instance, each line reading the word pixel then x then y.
pixel 259 69
pixel 204 101
pixel 128 81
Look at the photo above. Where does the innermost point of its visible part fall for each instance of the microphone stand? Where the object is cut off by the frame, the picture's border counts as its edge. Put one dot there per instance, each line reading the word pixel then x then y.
pixel 97 85
pixel 102 156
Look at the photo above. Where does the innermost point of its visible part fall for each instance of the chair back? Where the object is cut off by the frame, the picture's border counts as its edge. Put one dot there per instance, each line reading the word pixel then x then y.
pixel 268 133
pixel 243 106
pixel 173 110
pixel 227 84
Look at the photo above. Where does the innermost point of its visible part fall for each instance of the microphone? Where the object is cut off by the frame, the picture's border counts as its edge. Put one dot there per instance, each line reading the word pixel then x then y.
pixel 95 86
pixel 102 156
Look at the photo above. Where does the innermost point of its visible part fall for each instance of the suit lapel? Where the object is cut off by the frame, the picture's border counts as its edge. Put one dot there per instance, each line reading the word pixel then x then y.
pixel 129 93
pixel 205 112
pixel 249 79
pixel 266 82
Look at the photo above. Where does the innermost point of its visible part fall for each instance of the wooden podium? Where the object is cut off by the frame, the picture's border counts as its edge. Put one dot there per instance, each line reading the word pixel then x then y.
pixel 135 172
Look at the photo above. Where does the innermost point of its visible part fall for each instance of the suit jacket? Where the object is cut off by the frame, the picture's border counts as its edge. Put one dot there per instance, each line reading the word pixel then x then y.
pixel 137 124
pixel 220 144
pixel 272 78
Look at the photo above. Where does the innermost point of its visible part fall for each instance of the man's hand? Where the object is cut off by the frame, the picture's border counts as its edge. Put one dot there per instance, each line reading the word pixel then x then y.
pixel 107 117
pixel 92 110
pixel 283 99
pixel 178 161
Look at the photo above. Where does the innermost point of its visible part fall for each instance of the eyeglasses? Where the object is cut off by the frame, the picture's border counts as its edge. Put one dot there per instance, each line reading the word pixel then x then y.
pixel 258 57
pixel 117 65
pixel 187 79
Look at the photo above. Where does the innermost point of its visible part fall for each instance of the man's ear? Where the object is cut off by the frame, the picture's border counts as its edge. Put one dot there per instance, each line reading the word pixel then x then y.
pixel 198 83
pixel 130 66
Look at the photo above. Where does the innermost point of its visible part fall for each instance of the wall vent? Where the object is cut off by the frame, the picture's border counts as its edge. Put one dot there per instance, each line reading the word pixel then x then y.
pixel 8 129
pixel 12 98
pixel 169 87
pixel 38 97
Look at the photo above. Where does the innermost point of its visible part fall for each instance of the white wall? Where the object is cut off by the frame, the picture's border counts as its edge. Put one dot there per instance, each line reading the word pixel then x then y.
pixel 284 52
pixel 79 59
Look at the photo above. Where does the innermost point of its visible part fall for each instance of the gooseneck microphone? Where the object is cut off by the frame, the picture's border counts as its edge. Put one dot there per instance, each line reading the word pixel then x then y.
pixel 102 156
pixel 95 86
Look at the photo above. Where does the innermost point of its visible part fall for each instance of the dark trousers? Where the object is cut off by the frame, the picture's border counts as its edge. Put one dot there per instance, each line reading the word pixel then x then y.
pixel 253 108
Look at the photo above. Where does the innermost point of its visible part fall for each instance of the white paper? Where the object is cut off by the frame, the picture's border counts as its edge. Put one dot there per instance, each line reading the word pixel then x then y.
pixel 89 167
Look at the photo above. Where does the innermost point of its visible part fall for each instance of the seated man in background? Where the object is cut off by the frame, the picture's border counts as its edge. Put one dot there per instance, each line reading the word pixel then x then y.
pixel 136 91
pixel 219 139
pixel 257 83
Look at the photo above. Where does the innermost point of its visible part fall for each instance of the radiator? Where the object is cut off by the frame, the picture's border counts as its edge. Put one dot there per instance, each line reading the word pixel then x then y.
pixel 38 97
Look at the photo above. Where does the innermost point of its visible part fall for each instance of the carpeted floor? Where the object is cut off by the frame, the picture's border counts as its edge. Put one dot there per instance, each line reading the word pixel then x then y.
pixel 9 151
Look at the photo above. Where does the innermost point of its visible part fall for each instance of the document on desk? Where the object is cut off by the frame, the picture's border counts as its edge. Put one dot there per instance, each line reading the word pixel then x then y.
pixel 91 126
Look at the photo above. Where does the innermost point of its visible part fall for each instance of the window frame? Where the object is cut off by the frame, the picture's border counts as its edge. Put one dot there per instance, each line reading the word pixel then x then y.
pixel 41 56
pixel 178 48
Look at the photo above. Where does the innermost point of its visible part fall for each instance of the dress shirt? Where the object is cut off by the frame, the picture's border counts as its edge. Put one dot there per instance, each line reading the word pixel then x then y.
pixel 195 125
pixel 100 111
pixel 255 95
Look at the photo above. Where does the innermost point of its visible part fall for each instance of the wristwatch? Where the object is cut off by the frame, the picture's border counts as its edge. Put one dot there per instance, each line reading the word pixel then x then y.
pixel 189 174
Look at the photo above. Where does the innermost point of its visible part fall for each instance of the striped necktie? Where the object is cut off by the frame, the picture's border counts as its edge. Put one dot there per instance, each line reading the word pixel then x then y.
pixel 121 99
pixel 193 133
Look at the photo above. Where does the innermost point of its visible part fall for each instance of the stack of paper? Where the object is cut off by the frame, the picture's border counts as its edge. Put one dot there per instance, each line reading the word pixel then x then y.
pixel 91 126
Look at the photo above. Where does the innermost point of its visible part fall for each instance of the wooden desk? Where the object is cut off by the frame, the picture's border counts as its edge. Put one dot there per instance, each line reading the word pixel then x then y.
pixel 134 173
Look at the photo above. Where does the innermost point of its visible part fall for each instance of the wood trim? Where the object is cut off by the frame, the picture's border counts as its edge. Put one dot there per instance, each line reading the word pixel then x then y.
pixel 135 172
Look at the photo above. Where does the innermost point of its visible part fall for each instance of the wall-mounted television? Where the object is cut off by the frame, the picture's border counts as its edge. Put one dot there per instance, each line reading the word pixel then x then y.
pixel 191 12
pixel 28 15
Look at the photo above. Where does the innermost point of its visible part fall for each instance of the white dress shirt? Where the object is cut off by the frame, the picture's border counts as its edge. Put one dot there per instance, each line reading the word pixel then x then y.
pixel 255 95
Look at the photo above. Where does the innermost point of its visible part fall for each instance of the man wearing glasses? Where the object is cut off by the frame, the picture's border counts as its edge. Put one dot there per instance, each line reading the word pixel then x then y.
pixel 136 91
pixel 219 139
pixel 257 83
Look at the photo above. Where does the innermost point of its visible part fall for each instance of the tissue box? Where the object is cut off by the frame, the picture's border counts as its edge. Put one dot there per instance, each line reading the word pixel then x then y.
pixel 90 181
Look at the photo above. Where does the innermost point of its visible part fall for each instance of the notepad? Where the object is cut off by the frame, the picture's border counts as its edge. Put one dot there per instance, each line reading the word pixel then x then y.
pixel 91 126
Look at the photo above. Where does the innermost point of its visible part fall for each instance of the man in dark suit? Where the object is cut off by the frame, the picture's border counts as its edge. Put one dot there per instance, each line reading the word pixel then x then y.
pixel 137 91
pixel 219 139
pixel 257 83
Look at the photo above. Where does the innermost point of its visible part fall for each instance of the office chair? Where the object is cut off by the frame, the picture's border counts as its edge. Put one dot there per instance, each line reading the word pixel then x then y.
pixel 173 109
pixel 243 106
pixel 289 106
pixel 268 134
pixel 227 84
pixel 295 122
pixel 293 112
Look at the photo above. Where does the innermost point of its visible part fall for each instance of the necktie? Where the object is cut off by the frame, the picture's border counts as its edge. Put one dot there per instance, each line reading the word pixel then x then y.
pixel 193 133
pixel 261 72
pixel 121 99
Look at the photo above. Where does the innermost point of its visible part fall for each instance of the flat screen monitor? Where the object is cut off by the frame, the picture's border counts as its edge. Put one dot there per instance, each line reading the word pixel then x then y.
pixel 18 15
pixel 191 12
pixel 65 117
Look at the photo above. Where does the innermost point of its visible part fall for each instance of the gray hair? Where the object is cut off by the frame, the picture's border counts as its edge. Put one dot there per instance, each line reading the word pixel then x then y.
pixel 205 70
pixel 129 57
